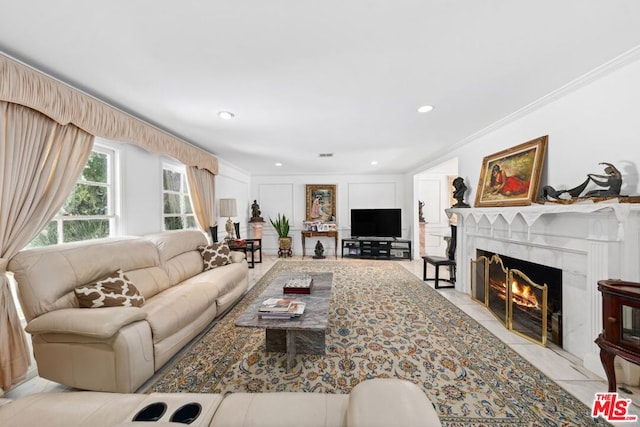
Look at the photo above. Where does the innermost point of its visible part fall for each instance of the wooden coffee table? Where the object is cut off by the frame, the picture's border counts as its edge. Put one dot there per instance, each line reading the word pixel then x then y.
pixel 304 334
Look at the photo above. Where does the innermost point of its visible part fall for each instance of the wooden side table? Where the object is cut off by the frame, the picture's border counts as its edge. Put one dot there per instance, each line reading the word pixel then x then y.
pixel 306 234
pixel 244 246
pixel 620 324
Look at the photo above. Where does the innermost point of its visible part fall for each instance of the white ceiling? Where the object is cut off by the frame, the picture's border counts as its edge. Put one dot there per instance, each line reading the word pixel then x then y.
pixel 310 77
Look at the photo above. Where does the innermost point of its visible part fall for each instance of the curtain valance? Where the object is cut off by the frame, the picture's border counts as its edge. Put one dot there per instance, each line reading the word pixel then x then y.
pixel 23 85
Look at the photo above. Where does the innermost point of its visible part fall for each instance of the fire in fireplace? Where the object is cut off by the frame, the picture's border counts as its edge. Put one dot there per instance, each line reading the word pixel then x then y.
pixel 525 296
pixel 522 295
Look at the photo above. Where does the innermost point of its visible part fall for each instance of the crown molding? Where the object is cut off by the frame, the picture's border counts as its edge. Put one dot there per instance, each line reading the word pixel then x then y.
pixel 608 67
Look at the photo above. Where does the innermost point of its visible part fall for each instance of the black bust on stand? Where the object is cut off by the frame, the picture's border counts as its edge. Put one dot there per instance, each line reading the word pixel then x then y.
pixel 458 193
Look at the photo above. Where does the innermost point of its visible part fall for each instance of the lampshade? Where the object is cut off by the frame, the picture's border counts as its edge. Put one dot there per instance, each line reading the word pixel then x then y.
pixel 228 207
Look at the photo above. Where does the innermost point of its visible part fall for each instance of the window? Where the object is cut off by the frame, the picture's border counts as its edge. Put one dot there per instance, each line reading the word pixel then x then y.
pixel 88 212
pixel 177 213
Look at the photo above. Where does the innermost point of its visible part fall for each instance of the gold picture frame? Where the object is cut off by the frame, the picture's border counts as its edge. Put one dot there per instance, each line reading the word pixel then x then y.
pixel 511 177
pixel 321 202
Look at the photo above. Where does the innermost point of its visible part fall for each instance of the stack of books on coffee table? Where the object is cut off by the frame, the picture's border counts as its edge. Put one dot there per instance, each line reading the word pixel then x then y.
pixel 280 308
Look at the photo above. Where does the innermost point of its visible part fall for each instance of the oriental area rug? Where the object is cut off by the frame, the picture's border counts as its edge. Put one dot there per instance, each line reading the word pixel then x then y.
pixel 383 322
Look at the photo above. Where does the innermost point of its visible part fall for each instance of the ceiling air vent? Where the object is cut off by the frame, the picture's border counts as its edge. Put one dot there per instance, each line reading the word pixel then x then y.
pixel 326 154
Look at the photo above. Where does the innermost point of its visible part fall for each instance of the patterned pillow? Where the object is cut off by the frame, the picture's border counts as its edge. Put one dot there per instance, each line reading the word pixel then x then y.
pixel 215 255
pixel 113 290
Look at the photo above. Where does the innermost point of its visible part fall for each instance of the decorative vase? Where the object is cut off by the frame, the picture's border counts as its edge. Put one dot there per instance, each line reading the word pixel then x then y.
pixel 285 243
pixel 284 247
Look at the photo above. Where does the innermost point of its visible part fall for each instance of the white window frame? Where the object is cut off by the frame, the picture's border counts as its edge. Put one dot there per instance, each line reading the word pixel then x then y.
pixel 184 191
pixel 112 194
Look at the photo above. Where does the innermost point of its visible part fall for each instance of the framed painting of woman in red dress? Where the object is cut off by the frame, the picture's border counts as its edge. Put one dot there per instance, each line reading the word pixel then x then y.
pixel 512 176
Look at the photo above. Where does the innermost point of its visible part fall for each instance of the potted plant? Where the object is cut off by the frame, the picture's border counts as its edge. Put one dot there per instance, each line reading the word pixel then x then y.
pixel 281 224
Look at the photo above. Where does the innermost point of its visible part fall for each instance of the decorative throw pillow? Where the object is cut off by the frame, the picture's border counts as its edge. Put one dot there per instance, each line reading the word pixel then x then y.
pixel 113 290
pixel 215 255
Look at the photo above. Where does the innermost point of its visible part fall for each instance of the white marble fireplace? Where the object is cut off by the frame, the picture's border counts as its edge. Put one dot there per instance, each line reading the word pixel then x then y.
pixel 588 242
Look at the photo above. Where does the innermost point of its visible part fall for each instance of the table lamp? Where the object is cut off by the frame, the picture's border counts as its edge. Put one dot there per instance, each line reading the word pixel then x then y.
pixel 228 209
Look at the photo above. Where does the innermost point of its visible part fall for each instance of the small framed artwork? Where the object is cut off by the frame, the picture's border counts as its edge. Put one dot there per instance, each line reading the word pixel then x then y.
pixel 511 177
pixel 321 202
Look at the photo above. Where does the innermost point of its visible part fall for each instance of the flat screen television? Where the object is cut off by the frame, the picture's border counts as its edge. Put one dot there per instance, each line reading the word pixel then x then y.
pixel 376 222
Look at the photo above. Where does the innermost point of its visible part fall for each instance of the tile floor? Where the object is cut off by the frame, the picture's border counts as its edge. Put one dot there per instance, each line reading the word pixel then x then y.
pixel 557 364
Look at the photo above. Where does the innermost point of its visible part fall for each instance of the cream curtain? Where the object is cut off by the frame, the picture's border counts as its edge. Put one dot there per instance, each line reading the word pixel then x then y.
pixel 202 189
pixel 40 161
pixel 23 85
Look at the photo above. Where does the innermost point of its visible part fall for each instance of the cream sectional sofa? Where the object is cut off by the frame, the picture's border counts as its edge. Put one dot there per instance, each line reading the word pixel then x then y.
pixel 372 403
pixel 117 349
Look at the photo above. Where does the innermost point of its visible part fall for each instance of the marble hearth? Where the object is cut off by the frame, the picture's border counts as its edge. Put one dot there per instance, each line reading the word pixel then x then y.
pixel 588 242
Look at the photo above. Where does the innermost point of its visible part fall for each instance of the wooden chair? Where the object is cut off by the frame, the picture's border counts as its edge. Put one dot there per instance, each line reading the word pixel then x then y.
pixel 439 261
pixel 214 233
pixel 249 247
pixel 253 246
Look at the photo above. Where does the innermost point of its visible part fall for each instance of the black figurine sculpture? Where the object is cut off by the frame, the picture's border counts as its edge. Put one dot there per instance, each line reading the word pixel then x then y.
pixel 611 183
pixel 420 214
pixel 319 251
pixel 458 193
pixel 255 213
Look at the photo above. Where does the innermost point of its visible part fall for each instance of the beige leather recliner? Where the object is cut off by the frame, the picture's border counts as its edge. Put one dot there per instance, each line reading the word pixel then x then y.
pixel 117 349
pixel 372 403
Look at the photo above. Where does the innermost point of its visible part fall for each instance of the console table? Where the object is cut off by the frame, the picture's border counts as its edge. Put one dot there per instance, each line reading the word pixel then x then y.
pixel 306 234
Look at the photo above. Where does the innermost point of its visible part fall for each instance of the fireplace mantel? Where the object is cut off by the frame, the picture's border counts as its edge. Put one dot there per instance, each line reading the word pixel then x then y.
pixel 587 241
pixel 531 214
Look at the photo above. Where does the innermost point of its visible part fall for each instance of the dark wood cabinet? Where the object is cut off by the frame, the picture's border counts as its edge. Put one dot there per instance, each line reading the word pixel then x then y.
pixel 620 325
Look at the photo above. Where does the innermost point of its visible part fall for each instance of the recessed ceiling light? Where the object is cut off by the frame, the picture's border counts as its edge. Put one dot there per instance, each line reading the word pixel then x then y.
pixel 374 162
pixel 425 109
pixel 278 164
pixel 226 115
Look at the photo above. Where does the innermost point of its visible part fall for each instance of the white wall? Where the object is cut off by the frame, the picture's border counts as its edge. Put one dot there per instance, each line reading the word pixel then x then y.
pixel 140 184
pixel 287 194
pixel 595 120
pixel 140 190
pixel 233 183
pixel 432 189
pixel 591 122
